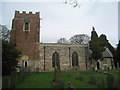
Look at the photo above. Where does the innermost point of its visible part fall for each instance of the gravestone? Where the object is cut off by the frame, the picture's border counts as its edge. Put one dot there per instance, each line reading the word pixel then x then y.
pixel 119 78
pixel 5 82
pixel 92 80
pixel 70 86
pixel 61 84
pixel 13 79
pixel 111 81
pixel 19 77
pixel 68 74
pixel 79 77
pixel 57 74
pixel 100 82
pixel 29 68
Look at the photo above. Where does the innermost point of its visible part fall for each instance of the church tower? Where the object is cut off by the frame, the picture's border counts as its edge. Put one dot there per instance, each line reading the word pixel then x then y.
pixel 25 33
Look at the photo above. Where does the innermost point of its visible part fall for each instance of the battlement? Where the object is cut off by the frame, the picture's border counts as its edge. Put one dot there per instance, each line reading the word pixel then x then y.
pixel 25 14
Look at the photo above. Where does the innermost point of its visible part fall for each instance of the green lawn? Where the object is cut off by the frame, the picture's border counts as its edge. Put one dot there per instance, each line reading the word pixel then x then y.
pixel 44 79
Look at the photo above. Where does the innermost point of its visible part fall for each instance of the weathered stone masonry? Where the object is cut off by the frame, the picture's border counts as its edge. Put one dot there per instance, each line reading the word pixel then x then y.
pixel 65 52
pixel 25 33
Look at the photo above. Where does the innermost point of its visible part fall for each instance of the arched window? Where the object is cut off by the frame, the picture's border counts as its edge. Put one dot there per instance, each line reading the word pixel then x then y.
pixel 55 60
pixel 98 65
pixel 74 59
pixel 25 63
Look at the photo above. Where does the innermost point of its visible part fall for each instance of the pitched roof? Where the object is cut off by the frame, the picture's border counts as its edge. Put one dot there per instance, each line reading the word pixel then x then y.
pixel 107 53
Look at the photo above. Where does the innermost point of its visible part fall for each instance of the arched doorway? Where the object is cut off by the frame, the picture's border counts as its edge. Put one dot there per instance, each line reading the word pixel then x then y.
pixel 25 63
pixel 55 60
pixel 98 65
pixel 74 60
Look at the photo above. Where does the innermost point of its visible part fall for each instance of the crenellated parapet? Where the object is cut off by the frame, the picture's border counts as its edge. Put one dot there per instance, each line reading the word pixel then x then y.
pixel 27 15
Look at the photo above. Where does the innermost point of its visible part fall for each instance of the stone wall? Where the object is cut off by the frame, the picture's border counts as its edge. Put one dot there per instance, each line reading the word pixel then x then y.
pixel 106 63
pixel 65 53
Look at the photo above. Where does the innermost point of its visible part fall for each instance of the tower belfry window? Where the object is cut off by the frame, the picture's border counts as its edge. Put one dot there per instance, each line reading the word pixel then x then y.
pixel 26 26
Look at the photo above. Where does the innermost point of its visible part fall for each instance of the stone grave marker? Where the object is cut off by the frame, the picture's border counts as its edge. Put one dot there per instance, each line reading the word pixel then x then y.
pixel 111 81
pixel 92 80
pixel 100 82
pixel 57 74
pixel 79 77
pixel 61 83
pixel 13 79
pixel 69 74
pixel 5 82
pixel 70 86
pixel 119 78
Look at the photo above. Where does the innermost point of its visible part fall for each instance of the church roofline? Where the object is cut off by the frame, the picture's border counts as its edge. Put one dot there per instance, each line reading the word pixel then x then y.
pixel 85 45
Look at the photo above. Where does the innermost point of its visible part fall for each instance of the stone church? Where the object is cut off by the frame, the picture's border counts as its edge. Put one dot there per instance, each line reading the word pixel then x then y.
pixel 46 56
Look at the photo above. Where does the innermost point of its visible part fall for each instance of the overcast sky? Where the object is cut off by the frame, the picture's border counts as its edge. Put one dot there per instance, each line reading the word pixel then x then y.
pixel 62 20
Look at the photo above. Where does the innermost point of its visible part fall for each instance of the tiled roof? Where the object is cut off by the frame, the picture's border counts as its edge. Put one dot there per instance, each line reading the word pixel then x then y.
pixel 106 54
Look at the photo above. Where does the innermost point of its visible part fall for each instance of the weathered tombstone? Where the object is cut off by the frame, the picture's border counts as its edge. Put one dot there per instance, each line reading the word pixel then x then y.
pixel 100 82
pixel 70 86
pixel 57 74
pixel 119 78
pixel 92 80
pixel 19 78
pixel 79 77
pixel 61 84
pixel 5 82
pixel 29 68
pixel 13 79
pixel 111 81
pixel 68 74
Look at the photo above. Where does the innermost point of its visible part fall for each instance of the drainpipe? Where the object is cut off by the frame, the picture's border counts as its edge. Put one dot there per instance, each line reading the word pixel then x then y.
pixel 69 59
pixel 86 56
pixel 44 58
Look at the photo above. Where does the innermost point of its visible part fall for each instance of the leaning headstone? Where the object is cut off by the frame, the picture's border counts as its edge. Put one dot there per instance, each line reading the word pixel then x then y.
pixel 5 82
pixel 13 79
pixel 100 82
pixel 70 86
pixel 111 81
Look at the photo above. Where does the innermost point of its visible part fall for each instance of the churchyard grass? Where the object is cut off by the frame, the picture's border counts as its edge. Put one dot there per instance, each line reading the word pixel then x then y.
pixel 44 79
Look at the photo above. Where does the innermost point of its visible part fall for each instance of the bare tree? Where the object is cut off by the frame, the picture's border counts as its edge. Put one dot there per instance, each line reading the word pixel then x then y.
pixel 4 33
pixel 79 39
pixel 74 3
pixel 63 40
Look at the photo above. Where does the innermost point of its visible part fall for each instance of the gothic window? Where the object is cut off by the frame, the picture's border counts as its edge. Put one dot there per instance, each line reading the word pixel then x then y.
pixel 74 59
pixel 55 60
pixel 25 63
